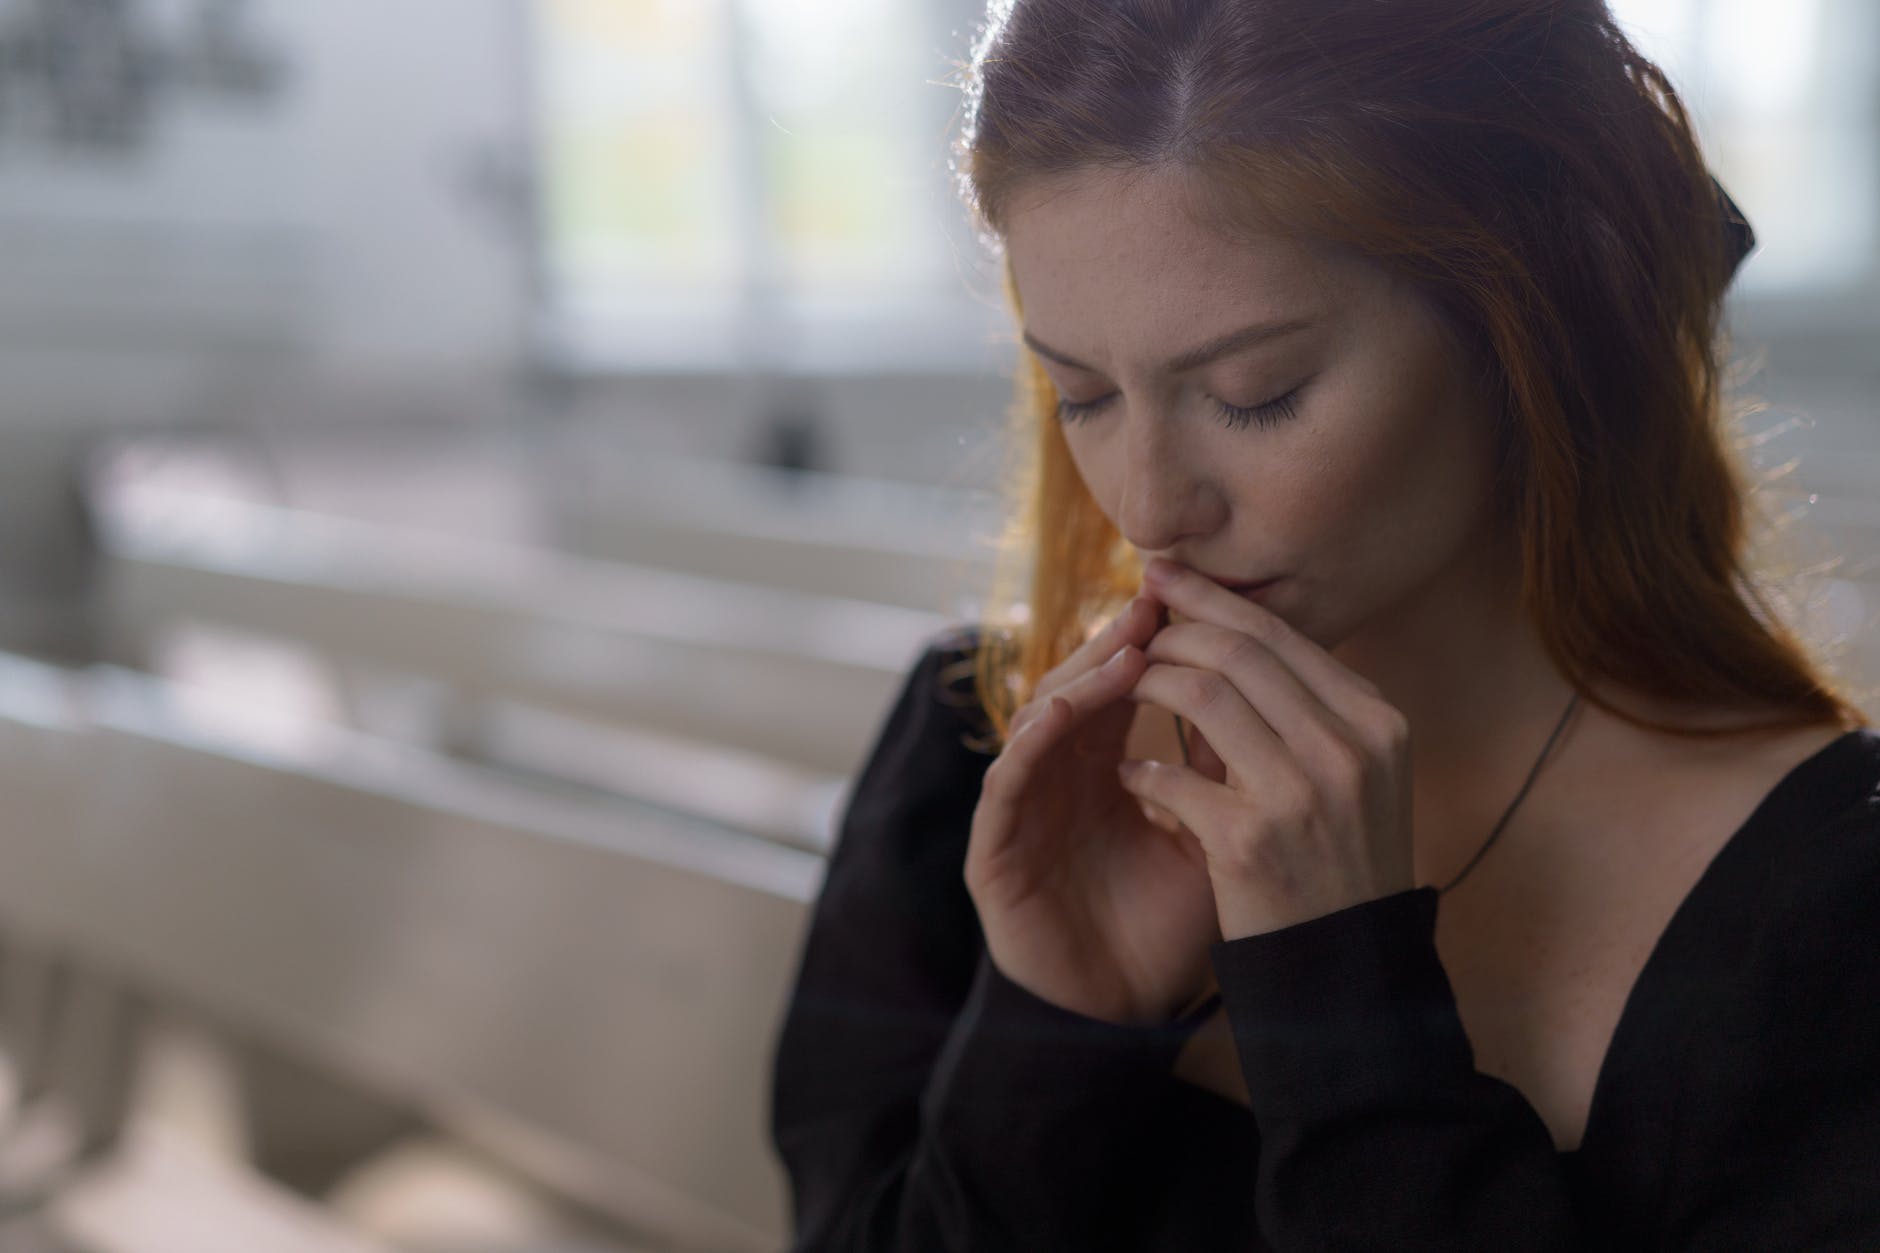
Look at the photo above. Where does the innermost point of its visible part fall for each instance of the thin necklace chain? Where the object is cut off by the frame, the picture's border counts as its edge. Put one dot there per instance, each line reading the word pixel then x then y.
pixel 1181 734
pixel 1518 796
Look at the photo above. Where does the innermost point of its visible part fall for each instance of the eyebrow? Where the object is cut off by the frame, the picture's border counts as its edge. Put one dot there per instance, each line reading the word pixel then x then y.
pixel 1220 346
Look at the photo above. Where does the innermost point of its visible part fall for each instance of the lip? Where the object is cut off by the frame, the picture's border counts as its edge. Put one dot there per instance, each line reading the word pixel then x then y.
pixel 1254 591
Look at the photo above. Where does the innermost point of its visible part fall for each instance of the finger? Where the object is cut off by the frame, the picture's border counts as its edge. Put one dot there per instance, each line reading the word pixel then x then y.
pixel 1253 753
pixel 1188 593
pixel 1009 774
pixel 1275 691
pixel 1193 800
pixel 1134 624
pixel 1096 689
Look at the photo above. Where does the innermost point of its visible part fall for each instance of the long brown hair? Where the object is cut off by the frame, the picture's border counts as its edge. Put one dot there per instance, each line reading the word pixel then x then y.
pixel 1538 180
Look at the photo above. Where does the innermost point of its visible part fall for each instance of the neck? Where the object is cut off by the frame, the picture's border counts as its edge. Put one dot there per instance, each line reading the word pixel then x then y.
pixel 1468 670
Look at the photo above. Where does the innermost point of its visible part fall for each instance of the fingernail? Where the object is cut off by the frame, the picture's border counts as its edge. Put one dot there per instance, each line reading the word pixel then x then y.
pixel 1118 658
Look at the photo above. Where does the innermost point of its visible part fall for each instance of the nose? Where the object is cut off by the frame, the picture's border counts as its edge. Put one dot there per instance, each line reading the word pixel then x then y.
pixel 1163 500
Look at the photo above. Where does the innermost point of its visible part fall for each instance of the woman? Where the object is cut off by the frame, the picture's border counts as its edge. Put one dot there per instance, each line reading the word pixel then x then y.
pixel 1372 369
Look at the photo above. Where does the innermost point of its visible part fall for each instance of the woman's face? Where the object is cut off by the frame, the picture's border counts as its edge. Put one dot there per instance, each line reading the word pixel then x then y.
pixel 1357 467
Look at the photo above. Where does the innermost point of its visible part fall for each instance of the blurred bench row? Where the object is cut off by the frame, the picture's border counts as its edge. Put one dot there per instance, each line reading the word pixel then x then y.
pixel 586 986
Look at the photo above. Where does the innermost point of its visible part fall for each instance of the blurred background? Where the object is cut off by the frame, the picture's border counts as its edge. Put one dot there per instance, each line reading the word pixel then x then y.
pixel 472 474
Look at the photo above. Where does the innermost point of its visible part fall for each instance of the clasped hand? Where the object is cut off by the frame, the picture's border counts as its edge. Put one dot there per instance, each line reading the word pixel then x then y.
pixel 1295 804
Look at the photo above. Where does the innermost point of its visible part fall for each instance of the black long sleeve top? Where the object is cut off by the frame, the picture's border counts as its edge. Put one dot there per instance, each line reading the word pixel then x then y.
pixel 922 1101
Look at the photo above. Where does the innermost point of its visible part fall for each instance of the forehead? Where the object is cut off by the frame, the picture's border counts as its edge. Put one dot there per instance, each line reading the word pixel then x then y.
pixel 1112 263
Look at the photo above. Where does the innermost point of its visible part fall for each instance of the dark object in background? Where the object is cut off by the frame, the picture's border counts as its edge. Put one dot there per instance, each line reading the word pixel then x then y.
pixel 93 75
pixel 1736 226
pixel 791 438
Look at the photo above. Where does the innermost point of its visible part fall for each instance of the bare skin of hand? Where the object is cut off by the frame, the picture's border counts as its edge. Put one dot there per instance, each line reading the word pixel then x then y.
pixel 1084 901
pixel 1313 813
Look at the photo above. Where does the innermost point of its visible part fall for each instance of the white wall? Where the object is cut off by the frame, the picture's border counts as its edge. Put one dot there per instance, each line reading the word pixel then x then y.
pixel 329 237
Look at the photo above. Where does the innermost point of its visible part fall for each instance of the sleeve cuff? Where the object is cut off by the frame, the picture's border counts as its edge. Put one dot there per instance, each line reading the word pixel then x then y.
pixel 1343 1010
pixel 1012 1053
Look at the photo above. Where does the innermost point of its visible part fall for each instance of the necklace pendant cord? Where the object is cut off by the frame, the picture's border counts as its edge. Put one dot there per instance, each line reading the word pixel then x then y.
pixel 1519 796
pixel 1181 735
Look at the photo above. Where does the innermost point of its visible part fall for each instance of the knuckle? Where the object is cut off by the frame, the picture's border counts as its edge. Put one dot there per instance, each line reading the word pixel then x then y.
pixel 1293 799
pixel 1256 854
pixel 1345 763
pixel 1393 728
pixel 1204 689
pixel 993 780
pixel 1271 630
pixel 1002 776
pixel 1246 652
pixel 1011 789
pixel 1031 711
pixel 1385 726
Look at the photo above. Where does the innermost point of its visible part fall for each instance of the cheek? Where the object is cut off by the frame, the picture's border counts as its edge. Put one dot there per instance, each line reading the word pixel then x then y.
pixel 1096 464
pixel 1423 466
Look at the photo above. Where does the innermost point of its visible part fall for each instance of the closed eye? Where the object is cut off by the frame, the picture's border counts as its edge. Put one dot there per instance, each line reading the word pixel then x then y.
pixel 1268 413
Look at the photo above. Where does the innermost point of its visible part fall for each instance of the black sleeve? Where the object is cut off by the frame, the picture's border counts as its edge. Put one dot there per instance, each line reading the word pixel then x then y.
pixel 921 1100
pixel 1376 1130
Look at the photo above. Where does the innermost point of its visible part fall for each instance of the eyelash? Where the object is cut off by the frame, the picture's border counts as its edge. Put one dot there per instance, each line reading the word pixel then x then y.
pixel 1271 413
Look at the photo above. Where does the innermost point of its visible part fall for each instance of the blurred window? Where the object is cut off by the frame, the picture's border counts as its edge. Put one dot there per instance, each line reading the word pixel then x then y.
pixel 762 184
pixel 639 180
pixel 1784 96
pixel 738 182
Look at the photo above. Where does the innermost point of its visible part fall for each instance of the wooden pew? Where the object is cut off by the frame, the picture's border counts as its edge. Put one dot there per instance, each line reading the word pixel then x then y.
pixel 916 545
pixel 787 676
pixel 588 988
